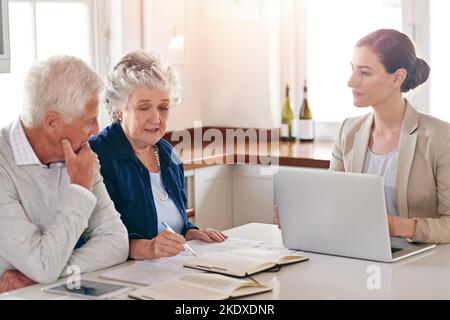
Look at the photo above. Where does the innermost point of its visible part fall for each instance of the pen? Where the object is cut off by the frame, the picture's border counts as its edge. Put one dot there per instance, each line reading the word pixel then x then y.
pixel 184 245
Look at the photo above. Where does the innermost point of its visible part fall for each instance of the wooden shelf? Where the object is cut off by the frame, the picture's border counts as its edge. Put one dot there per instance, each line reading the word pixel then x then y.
pixel 190 213
pixel 306 154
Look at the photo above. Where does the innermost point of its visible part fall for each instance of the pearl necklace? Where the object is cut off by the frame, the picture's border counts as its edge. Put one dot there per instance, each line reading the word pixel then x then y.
pixel 165 196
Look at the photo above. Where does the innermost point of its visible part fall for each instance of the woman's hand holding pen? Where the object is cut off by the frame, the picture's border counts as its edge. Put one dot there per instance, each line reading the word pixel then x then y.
pixel 166 244
pixel 169 243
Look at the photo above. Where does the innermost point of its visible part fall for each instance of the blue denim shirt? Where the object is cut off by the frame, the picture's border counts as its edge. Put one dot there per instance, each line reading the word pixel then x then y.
pixel 128 181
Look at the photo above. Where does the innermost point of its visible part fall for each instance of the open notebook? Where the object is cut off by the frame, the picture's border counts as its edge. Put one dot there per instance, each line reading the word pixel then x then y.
pixel 200 286
pixel 243 262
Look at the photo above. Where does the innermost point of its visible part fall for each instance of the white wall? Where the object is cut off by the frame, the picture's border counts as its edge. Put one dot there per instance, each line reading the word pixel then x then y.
pixel 232 60
pixel 240 65
pixel 416 23
pixel 159 23
pixel 118 31
pixel 126 27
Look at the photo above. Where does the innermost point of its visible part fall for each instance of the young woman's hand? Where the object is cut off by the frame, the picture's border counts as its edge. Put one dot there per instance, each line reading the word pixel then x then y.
pixel 401 227
pixel 276 216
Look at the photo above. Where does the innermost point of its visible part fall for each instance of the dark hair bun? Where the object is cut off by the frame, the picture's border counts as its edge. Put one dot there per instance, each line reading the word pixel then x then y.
pixel 418 76
pixel 422 71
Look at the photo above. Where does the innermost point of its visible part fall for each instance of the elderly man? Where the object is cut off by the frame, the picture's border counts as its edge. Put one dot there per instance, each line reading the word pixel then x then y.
pixel 55 211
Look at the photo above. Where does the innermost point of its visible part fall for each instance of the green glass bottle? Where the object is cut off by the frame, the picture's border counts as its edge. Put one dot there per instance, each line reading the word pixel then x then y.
pixel 306 123
pixel 287 115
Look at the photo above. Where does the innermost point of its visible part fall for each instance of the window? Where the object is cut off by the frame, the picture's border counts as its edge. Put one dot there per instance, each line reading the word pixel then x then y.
pixel 38 30
pixel 332 30
pixel 4 37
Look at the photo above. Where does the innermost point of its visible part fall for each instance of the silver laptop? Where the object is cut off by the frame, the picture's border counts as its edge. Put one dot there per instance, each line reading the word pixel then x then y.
pixel 337 213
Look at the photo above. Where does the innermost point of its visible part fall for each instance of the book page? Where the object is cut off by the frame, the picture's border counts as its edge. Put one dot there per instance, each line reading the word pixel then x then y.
pixel 264 255
pixel 200 286
pixel 277 256
pixel 202 247
pixel 176 290
pixel 224 262
pixel 144 273
pixel 218 283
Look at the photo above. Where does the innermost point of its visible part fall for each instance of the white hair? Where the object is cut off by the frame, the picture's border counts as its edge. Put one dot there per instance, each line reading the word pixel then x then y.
pixel 139 69
pixel 63 84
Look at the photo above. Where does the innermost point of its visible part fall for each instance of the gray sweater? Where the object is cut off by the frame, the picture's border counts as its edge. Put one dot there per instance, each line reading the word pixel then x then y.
pixel 42 216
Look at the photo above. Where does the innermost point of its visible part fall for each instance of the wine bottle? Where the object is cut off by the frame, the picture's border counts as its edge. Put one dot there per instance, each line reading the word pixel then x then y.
pixel 286 119
pixel 306 123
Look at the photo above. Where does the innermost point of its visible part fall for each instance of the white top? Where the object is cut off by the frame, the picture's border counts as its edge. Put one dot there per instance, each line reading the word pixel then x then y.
pixel 166 210
pixel 385 166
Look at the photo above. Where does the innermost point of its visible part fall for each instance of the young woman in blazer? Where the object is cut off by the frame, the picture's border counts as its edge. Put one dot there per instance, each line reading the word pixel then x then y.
pixel 411 150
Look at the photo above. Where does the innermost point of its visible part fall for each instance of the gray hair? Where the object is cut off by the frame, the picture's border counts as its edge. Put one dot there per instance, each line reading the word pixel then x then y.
pixel 63 84
pixel 139 69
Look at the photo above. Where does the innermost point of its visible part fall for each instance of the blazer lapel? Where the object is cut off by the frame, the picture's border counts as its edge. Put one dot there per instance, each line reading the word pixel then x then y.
pixel 360 145
pixel 408 140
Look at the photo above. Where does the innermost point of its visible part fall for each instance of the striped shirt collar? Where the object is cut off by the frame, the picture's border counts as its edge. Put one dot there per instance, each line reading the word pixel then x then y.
pixel 24 154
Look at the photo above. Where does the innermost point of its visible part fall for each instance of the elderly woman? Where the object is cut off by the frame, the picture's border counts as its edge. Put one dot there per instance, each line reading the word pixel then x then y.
pixel 143 175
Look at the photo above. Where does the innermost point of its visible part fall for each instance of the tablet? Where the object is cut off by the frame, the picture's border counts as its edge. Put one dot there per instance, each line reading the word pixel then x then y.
pixel 89 290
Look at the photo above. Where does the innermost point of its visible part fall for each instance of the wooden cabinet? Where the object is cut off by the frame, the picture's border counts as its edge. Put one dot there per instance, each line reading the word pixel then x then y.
pixel 226 196
pixel 252 195
pixel 213 197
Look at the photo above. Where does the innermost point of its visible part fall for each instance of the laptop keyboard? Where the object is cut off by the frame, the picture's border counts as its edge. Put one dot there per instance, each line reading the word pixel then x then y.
pixel 398 244
pixel 394 250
